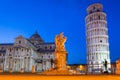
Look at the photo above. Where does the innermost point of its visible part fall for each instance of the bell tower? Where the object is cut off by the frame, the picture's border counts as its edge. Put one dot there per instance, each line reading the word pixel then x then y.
pixel 97 39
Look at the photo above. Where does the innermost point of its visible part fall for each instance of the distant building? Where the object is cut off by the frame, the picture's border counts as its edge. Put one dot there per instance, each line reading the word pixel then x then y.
pixel 82 68
pixel 113 67
pixel 24 54
pixel 79 68
pixel 118 66
pixel 97 39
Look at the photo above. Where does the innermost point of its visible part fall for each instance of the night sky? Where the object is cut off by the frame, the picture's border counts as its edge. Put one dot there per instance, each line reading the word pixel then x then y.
pixel 50 17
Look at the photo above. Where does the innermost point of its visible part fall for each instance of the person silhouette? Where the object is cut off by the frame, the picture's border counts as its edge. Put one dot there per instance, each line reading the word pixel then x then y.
pixel 105 65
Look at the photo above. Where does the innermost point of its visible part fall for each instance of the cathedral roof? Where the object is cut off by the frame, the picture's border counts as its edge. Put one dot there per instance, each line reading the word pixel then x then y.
pixel 36 37
pixel 19 37
pixel 19 46
pixel 6 43
pixel 47 43
pixel 45 51
pixel 2 51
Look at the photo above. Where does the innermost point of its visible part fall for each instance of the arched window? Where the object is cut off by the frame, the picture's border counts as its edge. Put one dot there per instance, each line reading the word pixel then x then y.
pixel 94 8
pixel 45 47
pixel 98 10
pixel 20 42
pixel 50 47
pixel 99 17
pixel 10 50
pixel 100 41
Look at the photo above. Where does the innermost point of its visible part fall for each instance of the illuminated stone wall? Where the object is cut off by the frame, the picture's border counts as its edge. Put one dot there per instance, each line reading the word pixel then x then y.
pixel 24 54
pixel 118 66
pixel 3 48
pixel 21 56
pixel 80 68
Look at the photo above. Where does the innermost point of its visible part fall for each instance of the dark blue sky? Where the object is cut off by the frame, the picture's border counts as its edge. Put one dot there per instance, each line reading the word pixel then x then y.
pixel 50 17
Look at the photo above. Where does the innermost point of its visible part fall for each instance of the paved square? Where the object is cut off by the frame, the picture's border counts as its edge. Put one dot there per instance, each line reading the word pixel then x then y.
pixel 39 77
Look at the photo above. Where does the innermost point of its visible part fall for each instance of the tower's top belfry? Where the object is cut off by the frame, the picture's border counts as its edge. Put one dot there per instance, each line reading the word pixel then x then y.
pixel 97 7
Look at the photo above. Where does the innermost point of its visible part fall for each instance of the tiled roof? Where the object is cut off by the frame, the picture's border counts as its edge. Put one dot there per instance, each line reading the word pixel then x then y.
pixel 48 43
pixel 2 51
pixel 19 46
pixel 45 51
pixel 6 43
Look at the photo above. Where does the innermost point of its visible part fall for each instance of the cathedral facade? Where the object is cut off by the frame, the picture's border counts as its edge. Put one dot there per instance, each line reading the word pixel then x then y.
pixel 27 54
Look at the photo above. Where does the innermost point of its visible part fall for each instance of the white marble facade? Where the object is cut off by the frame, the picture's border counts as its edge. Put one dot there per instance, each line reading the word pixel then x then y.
pixel 97 39
pixel 24 54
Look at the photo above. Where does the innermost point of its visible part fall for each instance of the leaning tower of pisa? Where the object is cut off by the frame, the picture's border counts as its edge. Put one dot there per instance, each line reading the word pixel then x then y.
pixel 97 39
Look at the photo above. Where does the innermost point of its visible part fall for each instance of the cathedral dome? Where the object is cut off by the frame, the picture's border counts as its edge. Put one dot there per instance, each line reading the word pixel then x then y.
pixel 36 39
